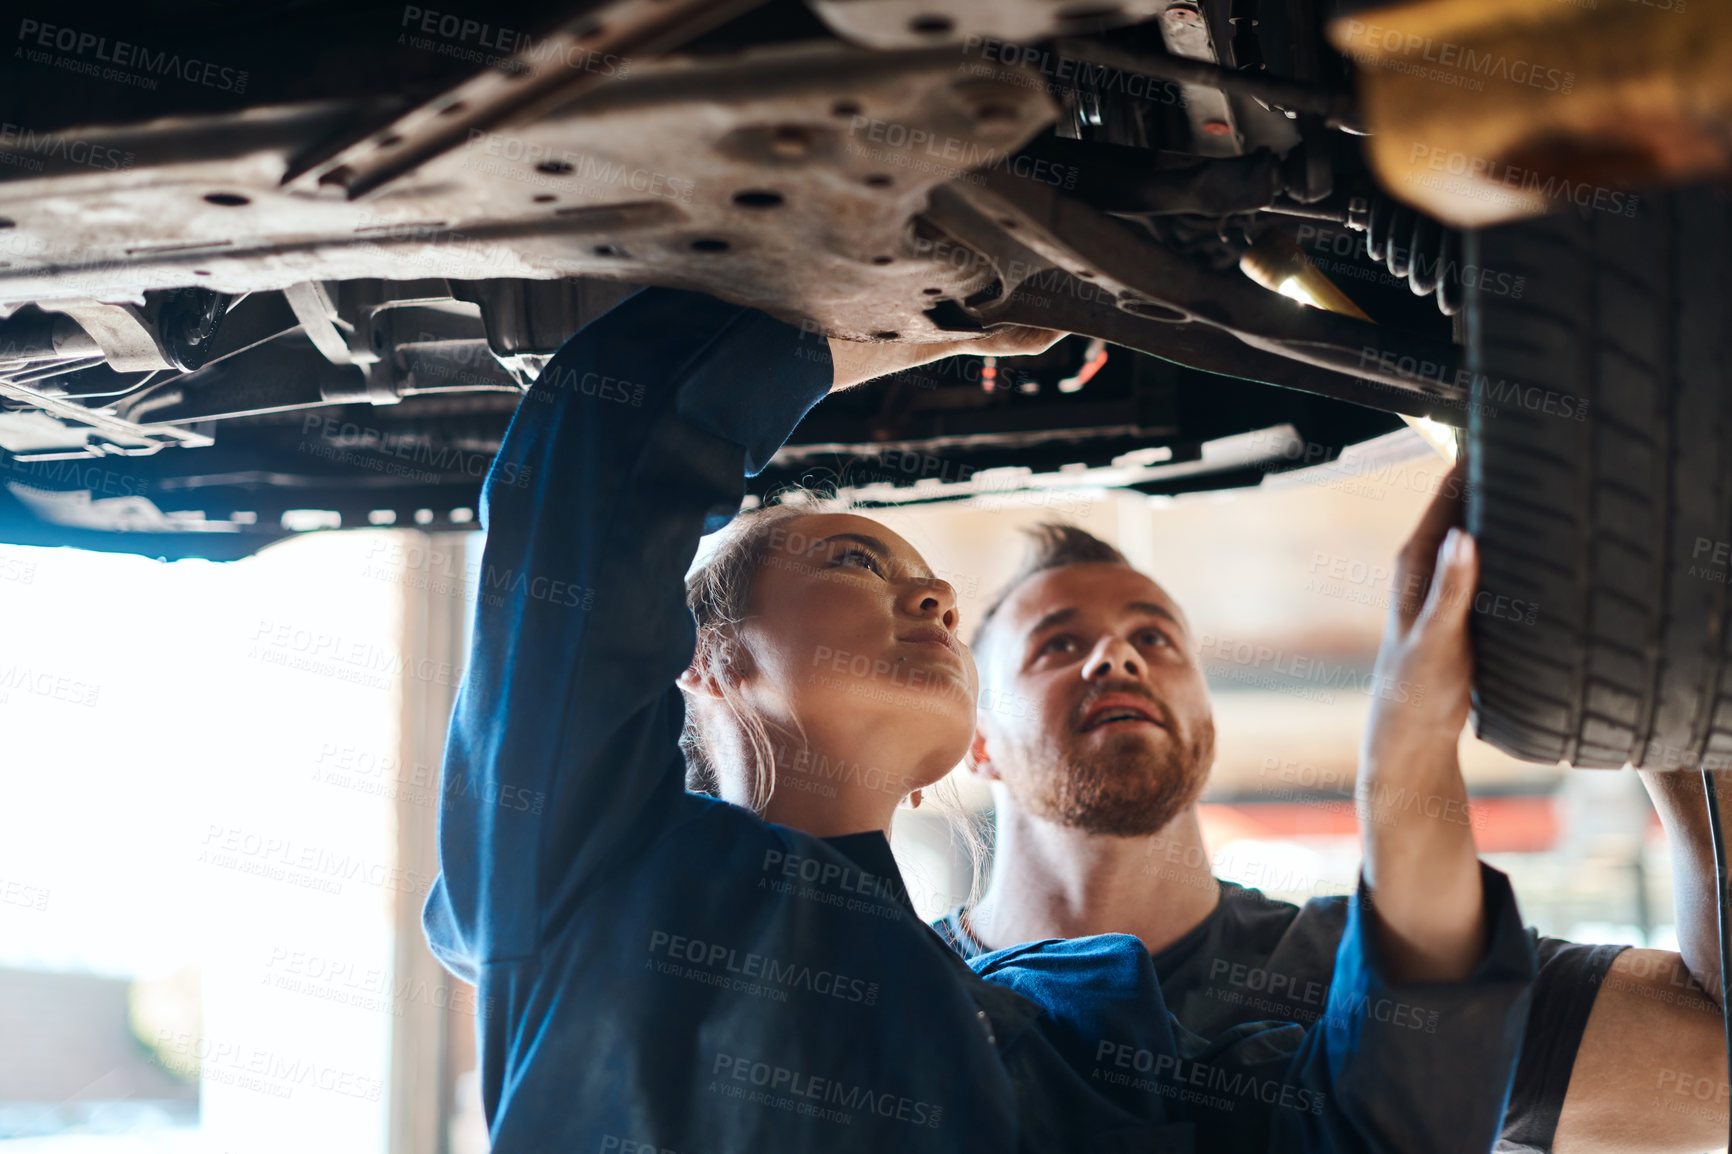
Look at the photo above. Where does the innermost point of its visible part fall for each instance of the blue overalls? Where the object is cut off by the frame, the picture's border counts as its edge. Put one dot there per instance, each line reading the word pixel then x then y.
pixel 667 972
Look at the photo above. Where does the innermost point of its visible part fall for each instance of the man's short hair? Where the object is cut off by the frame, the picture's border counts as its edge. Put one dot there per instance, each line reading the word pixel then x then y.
pixel 1053 546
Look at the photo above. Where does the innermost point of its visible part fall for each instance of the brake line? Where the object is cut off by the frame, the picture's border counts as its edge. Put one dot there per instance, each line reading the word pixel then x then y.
pixel 1723 915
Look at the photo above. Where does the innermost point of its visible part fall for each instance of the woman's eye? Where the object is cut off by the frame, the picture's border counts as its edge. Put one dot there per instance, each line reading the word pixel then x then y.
pixel 859 559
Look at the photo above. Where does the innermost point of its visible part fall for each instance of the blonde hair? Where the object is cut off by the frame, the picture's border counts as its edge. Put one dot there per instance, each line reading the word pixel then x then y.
pixel 717 593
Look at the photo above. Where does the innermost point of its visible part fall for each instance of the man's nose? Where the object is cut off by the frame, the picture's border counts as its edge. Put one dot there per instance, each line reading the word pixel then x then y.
pixel 1113 657
pixel 932 597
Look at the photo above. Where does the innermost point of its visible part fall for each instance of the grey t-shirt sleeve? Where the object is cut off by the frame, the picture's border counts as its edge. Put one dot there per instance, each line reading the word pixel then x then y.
pixel 1569 980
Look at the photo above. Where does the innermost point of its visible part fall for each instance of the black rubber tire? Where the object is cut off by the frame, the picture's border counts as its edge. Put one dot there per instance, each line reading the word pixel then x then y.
pixel 1600 484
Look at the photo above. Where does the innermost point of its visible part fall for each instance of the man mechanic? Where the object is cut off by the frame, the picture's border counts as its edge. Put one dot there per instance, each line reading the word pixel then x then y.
pixel 1096 785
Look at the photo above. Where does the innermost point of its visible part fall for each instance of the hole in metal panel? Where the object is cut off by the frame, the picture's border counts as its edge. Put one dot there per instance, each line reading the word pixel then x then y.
pixel 757 198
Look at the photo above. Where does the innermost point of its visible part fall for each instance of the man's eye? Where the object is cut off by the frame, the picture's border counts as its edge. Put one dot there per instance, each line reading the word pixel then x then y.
pixel 1063 643
pixel 1153 637
pixel 859 559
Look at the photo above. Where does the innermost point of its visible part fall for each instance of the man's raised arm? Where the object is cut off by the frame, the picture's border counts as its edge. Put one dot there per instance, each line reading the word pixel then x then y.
pixel 1432 979
pixel 1421 870
pixel 1651 1072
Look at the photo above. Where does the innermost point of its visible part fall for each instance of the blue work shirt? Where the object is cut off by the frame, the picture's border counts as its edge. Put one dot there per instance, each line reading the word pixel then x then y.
pixel 665 969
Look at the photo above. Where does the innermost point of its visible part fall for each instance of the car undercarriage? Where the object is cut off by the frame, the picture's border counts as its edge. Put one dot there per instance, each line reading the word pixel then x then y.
pixel 228 323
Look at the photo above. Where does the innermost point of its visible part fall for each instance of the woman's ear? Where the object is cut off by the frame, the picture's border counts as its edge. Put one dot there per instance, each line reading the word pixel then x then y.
pixel 724 661
pixel 699 681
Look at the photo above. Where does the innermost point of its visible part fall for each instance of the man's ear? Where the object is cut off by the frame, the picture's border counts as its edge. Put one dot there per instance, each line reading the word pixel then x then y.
pixel 979 760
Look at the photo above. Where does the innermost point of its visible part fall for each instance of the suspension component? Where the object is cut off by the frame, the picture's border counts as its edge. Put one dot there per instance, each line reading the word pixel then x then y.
pixel 1413 245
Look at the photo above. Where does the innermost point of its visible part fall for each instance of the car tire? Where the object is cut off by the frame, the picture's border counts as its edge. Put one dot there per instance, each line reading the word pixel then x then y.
pixel 1600 482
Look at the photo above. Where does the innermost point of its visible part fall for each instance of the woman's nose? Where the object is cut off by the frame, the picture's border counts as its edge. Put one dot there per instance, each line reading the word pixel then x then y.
pixel 932 597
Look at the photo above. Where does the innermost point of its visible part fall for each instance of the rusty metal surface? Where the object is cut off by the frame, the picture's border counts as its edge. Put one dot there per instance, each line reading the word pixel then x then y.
pixel 576 57
pixel 784 179
pixel 1185 30
pixel 1483 111
pixel 900 24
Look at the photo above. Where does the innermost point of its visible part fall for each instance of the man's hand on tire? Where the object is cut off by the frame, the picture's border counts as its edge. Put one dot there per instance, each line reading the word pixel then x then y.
pixel 1420 864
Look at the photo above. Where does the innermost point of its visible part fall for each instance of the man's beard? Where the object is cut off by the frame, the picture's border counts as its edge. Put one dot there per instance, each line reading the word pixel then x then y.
pixel 1127 790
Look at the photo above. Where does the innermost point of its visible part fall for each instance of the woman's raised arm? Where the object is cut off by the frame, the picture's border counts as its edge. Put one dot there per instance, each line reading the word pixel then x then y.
pixel 563 749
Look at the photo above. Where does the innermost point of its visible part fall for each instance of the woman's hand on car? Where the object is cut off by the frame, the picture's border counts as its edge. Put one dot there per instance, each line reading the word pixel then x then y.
pixel 858 361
